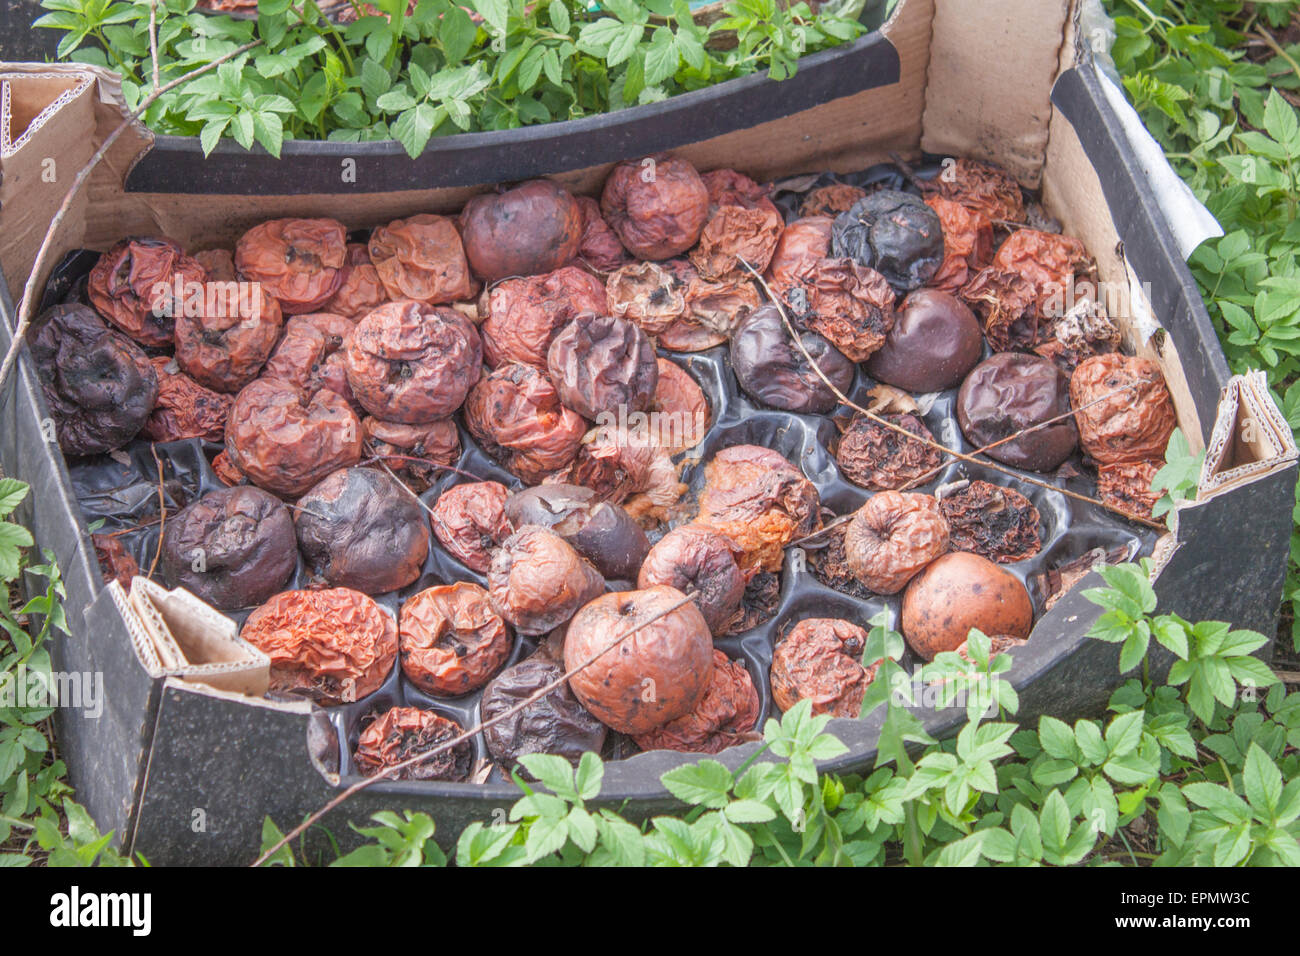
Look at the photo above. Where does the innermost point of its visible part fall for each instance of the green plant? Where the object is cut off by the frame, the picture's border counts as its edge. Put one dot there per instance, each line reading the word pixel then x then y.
pixel 432 72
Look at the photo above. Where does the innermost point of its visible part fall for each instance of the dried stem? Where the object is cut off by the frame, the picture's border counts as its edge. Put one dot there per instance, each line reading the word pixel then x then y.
pixel 468 734
pixel 922 479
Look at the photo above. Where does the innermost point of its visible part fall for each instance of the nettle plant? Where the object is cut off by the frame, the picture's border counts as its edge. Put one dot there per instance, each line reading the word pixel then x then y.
pixel 1199 758
pixel 441 68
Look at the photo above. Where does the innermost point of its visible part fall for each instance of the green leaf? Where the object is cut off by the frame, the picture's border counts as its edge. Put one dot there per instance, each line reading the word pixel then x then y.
pixel 1262 781
pixel 749 811
pixel 622 839
pixel 495 12
pixel 555 773
pixel 12 492
pixel 1280 122
pixel 1124 733
pixel 707 783
pixel 1218 800
pixel 559 15
pixel 590 773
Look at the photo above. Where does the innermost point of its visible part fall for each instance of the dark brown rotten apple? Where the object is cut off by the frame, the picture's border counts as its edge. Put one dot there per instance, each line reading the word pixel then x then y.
pixel 361 529
pixel 556 724
pixel 599 363
pixel 333 646
pixel 286 440
pixel 880 459
pixel 1132 424
pixel 892 537
pixel 298 261
pixel 310 355
pixel 98 384
pixel 515 413
pixel 935 341
pixel 185 409
pixel 437 442
pixel 723 718
pixel 538 581
pixel 410 362
pixel 451 641
pixel 657 206
pixel 403 733
pixel 421 258
pixel 773 370
pixel 225 344
pixel 894 233
pixel 998 523
pixel 602 532
pixel 115 562
pixel 760 501
pixel 522 316
pixel 820 660
pixel 695 558
pixel 1010 392
pixel 960 591
pixel 534 228
pixel 469 520
pixel 233 547
pixel 141 285
pixel 659 673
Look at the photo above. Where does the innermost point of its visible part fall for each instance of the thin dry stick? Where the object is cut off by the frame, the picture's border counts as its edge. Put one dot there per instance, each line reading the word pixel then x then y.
pixel 377 457
pixel 28 305
pixel 153 40
pixel 922 479
pixel 884 423
pixel 466 735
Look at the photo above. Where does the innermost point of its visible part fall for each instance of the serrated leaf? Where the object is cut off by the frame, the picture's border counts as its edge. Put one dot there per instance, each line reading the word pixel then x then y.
pixel 706 783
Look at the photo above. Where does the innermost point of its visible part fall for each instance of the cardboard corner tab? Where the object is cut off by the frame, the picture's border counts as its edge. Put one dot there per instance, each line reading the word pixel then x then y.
pixel 1251 439
pixel 177 635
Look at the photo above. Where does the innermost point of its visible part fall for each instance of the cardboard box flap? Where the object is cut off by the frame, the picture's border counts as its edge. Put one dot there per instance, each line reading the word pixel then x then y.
pixel 1250 439
pixel 191 641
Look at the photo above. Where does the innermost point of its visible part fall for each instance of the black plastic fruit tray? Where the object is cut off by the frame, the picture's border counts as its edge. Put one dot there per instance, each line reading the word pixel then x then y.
pixel 121 493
